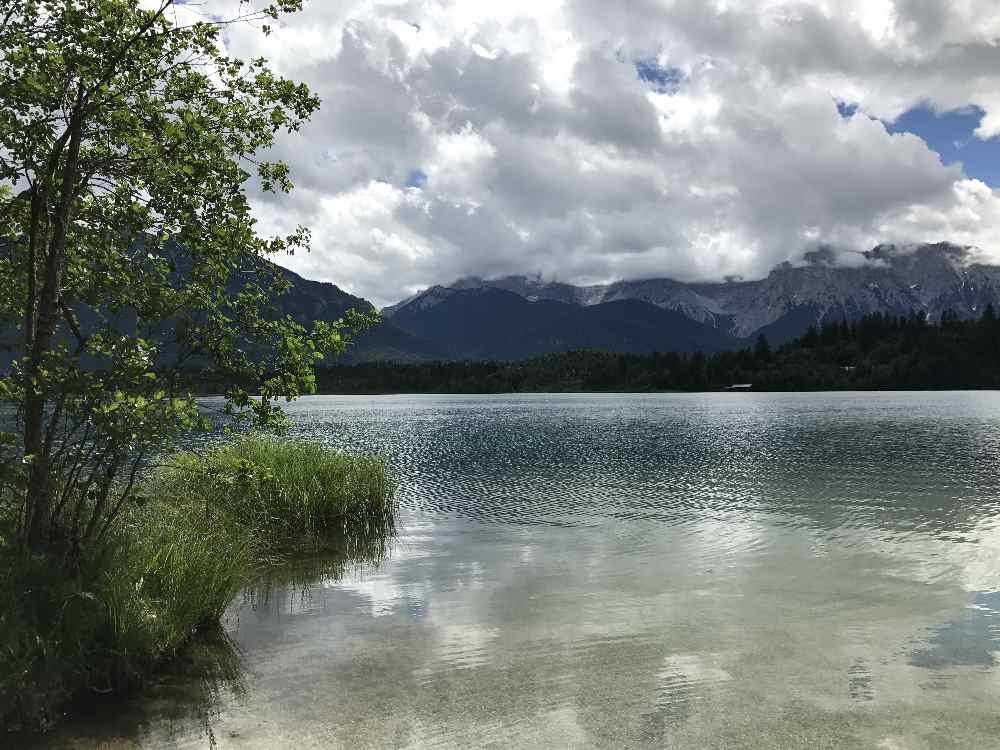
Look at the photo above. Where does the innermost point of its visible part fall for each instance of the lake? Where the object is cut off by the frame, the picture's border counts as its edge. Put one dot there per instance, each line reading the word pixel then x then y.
pixel 731 570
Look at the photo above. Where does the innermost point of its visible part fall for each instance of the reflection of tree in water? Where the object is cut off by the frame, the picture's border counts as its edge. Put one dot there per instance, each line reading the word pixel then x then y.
pixel 291 579
pixel 839 466
pixel 214 665
pixel 209 673
pixel 187 692
pixel 934 476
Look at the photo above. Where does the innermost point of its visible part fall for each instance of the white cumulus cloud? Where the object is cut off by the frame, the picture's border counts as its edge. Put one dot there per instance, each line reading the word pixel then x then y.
pixel 591 140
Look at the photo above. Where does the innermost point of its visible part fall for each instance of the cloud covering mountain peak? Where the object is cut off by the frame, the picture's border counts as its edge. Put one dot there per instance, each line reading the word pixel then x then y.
pixel 597 141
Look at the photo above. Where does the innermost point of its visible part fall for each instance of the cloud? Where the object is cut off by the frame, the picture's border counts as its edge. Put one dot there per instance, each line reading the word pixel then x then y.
pixel 592 140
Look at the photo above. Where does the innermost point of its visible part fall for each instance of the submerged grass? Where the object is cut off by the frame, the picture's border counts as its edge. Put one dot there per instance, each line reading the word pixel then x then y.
pixel 211 524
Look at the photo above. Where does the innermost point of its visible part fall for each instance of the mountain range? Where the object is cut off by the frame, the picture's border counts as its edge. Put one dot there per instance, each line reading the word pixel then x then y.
pixel 515 317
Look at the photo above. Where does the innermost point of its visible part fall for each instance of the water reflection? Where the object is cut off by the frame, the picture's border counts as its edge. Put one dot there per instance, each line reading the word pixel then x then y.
pixel 711 571
pixel 860 681
pixel 184 703
pixel 973 639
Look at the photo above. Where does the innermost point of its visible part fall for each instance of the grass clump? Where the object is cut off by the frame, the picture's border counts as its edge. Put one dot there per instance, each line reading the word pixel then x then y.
pixel 165 573
pixel 286 491
pixel 210 524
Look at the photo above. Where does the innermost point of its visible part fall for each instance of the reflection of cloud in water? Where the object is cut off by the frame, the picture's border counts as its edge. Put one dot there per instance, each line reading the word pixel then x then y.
pixel 382 592
pixel 973 561
pixel 697 571
pixel 459 646
pixel 979 556
pixel 972 640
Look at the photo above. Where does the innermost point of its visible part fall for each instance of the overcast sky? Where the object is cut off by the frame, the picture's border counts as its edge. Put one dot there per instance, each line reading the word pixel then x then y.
pixel 591 140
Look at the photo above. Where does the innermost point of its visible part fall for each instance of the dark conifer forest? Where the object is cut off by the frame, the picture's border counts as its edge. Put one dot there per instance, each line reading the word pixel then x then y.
pixel 877 352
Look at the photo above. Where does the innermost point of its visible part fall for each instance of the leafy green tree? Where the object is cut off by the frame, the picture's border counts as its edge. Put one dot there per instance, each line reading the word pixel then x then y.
pixel 128 251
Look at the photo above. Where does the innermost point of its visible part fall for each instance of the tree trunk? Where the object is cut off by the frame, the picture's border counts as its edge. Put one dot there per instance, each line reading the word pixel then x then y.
pixel 39 491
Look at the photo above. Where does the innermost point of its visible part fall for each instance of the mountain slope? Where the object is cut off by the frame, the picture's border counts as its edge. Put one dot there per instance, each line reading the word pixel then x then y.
pixel 887 279
pixel 308 300
pixel 490 323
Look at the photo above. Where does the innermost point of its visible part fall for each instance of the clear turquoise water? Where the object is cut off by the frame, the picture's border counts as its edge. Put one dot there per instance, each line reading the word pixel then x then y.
pixel 664 571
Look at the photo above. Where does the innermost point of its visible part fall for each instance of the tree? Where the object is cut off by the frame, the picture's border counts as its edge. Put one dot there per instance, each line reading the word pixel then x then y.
pixel 811 337
pixel 128 250
pixel 762 349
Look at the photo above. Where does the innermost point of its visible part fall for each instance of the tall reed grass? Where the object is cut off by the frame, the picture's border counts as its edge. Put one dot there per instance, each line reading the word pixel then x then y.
pixel 138 599
pixel 210 524
pixel 287 491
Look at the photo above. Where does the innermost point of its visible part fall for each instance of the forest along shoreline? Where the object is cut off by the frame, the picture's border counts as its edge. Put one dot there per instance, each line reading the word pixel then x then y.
pixel 876 352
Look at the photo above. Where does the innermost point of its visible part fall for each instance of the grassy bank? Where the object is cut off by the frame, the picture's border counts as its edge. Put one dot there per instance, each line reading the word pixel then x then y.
pixel 210 523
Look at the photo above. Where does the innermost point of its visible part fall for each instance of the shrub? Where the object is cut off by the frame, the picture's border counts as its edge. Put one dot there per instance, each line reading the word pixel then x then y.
pixel 209 524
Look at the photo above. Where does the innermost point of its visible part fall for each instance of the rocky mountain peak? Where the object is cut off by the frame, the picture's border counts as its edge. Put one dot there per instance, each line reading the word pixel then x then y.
pixel 894 279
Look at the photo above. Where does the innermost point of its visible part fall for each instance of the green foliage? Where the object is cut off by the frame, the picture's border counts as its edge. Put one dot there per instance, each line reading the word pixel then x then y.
pixel 210 525
pixel 875 352
pixel 128 251
pixel 284 490
pixel 155 582
pixel 128 248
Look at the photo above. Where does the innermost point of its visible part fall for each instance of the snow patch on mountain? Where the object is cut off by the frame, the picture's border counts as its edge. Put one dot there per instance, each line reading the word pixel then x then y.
pixel 826 283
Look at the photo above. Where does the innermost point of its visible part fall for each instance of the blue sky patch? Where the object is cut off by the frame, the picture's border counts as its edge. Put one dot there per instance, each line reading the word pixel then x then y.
pixel 951 135
pixel 416 179
pixel 664 80
pixel 846 110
